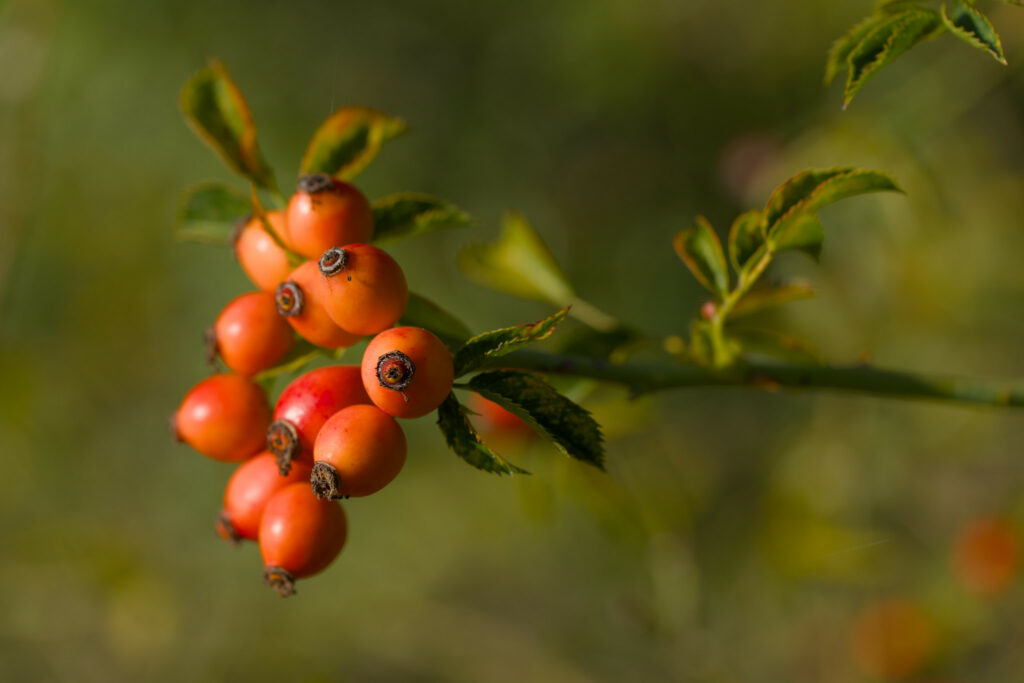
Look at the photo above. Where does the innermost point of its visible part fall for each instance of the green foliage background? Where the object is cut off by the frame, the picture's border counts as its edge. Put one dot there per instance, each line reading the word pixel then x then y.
pixel 735 535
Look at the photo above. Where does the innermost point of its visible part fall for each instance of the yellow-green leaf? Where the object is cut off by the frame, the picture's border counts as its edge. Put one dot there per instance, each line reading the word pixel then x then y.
pixel 701 251
pixel 745 237
pixel 885 42
pixel 803 232
pixel 348 140
pixel 843 46
pixel 968 24
pixel 399 216
pixel 464 440
pixel 215 108
pixel 504 340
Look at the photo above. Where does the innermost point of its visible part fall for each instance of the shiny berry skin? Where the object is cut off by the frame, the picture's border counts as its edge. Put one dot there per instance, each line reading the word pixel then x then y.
pixel 299 536
pixel 366 289
pixel 325 212
pixel 224 417
pixel 247 492
pixel 300 300
pixel 263 259
pixel 407 371
pixel 250 335
pixel 359 451
pixel 306 404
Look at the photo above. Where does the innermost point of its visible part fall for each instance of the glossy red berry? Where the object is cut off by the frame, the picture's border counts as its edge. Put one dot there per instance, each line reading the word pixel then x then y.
pixel 306 404
pixel 224 417
pixel 325 212
pixel 407 371
pixel 264 261
pixel 301 301
pixel 299 536
pixel 250 335
pixel 366 289
pixel 247 492
pixel 359 451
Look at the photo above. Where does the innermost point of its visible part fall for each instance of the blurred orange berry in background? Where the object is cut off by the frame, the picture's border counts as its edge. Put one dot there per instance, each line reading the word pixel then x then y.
pixel 493 418
pixel 986 556
pixel 892 639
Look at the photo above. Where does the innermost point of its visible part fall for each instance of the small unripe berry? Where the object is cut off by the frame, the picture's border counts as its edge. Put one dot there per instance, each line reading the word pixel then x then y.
pixel 247 492
pixel 306 404
pixel 366 289
pixel 250 335
pixel 986 556
pixel 359 451
pixel 407 371
pixel 224 417
pixel 299 536
pixel 263 259
pixel 301 301
pixel 325 212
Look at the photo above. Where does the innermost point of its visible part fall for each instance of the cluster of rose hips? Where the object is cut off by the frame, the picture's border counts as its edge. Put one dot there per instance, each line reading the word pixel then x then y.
pixel 332 433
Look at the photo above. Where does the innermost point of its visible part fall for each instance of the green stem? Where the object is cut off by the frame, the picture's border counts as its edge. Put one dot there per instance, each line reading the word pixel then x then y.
pixel 747 278
pixel 858 379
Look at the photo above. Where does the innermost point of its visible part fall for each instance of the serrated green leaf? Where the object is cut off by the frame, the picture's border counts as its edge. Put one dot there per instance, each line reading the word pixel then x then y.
pixel 209 213
pixel 701 251
pixel 843 46
pixel 568 426
pixel 499 342
pixel 215 108
pixel 968 24
pixel 745 237
pixel 796 190
pixel 348 140
pixel 758 300
pixel 887 41
pixel 773 345
pixel 518 263
pixel 463 439
pixel 804 232
pixel 422 312
pixel 399 216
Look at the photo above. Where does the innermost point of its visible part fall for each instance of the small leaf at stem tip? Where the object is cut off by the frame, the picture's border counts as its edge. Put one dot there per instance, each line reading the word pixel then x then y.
pixel 215 108
pixel 888 40
pixel 701 251
pixel 518 263
pixel 505 340
pixel 801 232
pixel 348 140
pixel 745 237
pixel 399 216
pixel 968 24
pixel 422 312
pixel 209 213
pixel 568 426
pixel 758 300
pixel 464 440
pixel 843 46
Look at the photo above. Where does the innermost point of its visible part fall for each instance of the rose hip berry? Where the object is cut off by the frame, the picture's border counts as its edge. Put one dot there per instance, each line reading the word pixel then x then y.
pixel 366 289
pixel 301 301
pixel 224 417
pixel 325 212
pixel 249 334
pixel 407 371
pixel 359 451
pixel 299 536
pixel 247 492
pixel 305 405
pixel 263 259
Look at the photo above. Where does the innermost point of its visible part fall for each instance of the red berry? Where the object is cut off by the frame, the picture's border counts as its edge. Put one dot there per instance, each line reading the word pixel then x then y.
pixel 407 371
pixel 366 289
pixel 224 417
pixel 299 536
pixel 301 301
pixel 306 404
pixel 250 335
pixel 263 259
pixel 248 490
pixel 359 451
pixel 325 212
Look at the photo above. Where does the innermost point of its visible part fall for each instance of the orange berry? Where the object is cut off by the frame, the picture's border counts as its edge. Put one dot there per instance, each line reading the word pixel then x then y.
pixel 892 639
pixel 224 417
pixel 986 556
pixel 325 212
pixel 263 259
pixel 247 492
pixel 366 289
pixel 407 371
pixel 300 300
pixel 250 335
pixel 359 451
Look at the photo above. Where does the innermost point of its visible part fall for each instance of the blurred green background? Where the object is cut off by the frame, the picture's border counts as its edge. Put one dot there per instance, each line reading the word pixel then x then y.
pixel 737 535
